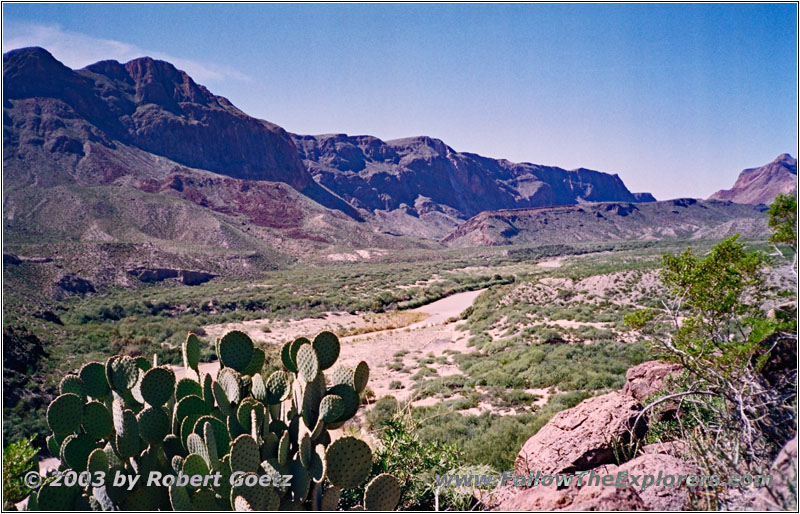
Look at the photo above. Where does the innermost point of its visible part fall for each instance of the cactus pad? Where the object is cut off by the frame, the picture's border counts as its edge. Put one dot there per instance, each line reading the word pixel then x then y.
pixel 72 384
pixel 349 398
pixel 326 344
pixel 221 437
pixel 258 388
pixel 208 390
pixel 95 383
pixel 190 406
pixel 316 468
pixel 304 450
pixel 277 387
pixel 286 358
pixel 65 413
pixel 127 440
pixel 240 504
pixel 349 461
pixel 245 454
pixel 360 377
pixel 307 363
pixel 301 482
pixel 179 498
pixel 382 493
pixel 154 424
pixel 191 352
pixel 124 373
pixel 245 409
pixel 75 451
pixel 283 449
pixel 231 383
pixel 196 446
pixel 194 464
pixel 235 350
pixel 331 408
pixel 330 498
pixel 56 498
pixel 185 387
pixel 98 461
pixel 256 362
pixel 341 375
pixel 97 420
pixel 158 385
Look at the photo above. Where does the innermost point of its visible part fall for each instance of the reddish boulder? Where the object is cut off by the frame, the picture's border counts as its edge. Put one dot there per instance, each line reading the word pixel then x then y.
pixel 583 437
pixel 647 378
pixel 661 497
pixel 782 494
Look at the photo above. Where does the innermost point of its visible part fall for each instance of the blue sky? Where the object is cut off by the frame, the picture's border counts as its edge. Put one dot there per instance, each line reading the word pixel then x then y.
pixel 677 98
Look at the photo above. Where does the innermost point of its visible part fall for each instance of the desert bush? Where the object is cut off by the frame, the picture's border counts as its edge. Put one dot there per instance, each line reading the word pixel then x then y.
pixel 18 459
pixel 736 415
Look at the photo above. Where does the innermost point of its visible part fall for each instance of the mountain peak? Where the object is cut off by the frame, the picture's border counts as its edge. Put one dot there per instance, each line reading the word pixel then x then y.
pixel 787 160
pixel 762 185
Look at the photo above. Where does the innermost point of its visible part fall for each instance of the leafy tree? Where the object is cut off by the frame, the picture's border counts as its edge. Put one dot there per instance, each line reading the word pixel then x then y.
pixel 783 220
pixel 731 414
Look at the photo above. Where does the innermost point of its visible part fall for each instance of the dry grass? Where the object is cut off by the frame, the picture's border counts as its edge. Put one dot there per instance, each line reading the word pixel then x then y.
pixel 384 321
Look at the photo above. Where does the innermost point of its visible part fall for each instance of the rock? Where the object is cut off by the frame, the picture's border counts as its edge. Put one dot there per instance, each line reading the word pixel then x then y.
pixel 782 494
pixel 575 498
pixel 661 498
pixel 193 278
pixel 581 438
pixel 50 316
pixel 604 498
pixel 647 378
pixel 675 448
pixel 188 277
pixel 10 258
pixel 74 284
pixel 538 498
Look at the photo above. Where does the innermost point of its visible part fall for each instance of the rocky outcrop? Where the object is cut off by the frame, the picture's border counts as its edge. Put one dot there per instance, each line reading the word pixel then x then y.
pixel 583 437
pixel 594 437
pixel 644 197
pixel 70 283
pixel 661 498
pixel 647 378
pixel 684 217
pixel 187 277
pixel 373 174
pixel 782 493
pixel 762 185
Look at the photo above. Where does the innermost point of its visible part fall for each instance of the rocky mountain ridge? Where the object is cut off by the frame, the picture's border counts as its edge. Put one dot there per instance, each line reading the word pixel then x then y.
pixel 684 217
pixel 420 176
pixel 761 185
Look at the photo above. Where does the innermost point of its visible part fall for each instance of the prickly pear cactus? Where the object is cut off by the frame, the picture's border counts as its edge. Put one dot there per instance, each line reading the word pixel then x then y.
pixel 131 417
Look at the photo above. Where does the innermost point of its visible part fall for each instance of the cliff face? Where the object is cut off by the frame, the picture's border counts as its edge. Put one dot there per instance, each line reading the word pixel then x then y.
pixel 423 174
pixel 57 119
pixel 762 185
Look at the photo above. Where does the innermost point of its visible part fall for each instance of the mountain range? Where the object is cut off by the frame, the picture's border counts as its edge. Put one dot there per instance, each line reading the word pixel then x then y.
pixel 136 165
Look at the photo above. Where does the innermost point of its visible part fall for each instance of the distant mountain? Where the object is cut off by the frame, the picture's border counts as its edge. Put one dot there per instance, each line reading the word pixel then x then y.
pixel 762 185
pixel 684 218
pixel 422 177
pixel 118 167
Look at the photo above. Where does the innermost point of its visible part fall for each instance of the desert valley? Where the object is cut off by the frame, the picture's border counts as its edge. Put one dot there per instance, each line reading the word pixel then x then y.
pixel 513 316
